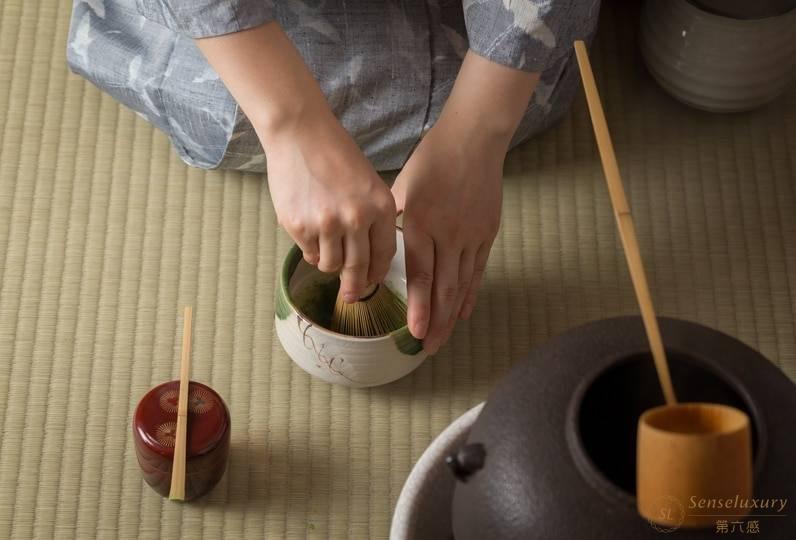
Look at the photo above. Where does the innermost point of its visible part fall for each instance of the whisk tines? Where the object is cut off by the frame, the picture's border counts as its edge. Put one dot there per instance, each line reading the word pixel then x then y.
pixel 378 312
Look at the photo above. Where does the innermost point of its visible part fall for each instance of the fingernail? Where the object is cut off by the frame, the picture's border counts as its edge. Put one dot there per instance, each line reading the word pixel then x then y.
pixel 350 297
pixel 419 329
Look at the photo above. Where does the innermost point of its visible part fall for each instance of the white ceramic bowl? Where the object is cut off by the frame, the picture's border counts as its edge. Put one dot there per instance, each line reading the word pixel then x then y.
pixel 333 357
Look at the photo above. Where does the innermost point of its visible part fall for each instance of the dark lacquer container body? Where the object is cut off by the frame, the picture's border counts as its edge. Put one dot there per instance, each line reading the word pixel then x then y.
pixel 155 428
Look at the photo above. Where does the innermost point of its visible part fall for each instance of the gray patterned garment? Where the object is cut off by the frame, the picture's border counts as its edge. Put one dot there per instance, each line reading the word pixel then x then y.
pixel 386 67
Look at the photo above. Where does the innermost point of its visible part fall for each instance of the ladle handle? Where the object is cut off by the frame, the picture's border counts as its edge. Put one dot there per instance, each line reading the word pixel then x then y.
pixel 624 220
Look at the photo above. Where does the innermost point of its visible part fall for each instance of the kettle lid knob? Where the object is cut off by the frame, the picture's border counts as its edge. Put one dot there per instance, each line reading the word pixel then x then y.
pixel 469 459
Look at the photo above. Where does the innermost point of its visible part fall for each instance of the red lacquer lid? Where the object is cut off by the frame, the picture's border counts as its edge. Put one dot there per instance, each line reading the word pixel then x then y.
pixel 155 419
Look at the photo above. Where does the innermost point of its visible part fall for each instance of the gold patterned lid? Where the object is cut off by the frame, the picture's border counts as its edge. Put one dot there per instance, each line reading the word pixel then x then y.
pixel 155 419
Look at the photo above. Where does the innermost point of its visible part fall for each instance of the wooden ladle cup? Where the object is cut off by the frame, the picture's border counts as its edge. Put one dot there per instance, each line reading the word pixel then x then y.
pixel 693 464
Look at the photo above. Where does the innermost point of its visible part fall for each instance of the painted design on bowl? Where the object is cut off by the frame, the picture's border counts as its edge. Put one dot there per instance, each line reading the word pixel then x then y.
pixel 332 363
pixel 406 342
pixel 281 305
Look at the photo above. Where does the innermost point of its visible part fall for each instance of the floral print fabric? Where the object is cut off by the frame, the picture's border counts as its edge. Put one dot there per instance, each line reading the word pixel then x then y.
pixel 386 68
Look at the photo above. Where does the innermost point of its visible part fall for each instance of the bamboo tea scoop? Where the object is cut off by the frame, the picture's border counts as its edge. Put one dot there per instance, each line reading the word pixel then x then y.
pixel 181 432
pixel 687 450
pixel 177 492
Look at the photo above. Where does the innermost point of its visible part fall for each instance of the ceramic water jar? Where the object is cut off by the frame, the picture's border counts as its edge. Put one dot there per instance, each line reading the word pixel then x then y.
pixel 718 60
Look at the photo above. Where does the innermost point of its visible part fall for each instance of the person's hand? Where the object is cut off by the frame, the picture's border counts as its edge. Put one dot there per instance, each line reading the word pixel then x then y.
pixel 331 201
pixel 450 192
pixel 325 192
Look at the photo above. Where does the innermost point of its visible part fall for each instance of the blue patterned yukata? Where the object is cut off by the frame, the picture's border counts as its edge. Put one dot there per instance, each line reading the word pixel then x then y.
pixel 385 67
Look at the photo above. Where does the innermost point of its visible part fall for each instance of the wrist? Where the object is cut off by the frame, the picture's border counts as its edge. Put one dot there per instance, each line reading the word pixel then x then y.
pixel 290 119
pixel 268 78
pixel 488 100
pixel 476 128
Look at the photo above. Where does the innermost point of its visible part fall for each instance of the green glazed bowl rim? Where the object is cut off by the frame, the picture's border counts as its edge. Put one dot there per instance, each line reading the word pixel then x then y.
pixel 404 339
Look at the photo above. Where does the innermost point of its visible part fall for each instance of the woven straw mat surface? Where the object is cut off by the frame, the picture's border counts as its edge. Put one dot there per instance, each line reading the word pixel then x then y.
pixel 105 235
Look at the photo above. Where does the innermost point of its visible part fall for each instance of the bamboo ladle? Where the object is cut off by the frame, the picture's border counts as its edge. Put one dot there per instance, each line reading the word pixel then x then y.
pixel 686 450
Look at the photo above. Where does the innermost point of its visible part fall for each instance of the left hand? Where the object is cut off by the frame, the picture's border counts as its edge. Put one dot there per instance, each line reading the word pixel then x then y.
pixel 450 192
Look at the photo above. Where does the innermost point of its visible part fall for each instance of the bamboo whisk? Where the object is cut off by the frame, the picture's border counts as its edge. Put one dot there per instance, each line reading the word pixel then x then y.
pixel 377 313
pixel 624 220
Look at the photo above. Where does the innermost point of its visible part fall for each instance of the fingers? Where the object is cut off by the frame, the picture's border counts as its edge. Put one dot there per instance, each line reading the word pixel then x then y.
pixel 331 249
pixel 353 278
pixel 420 277
pixel 305 240
pixel 382 248
pixel 475 283
pixel 309 249
pixel 466 263
pixel 445 292
pixel 357 241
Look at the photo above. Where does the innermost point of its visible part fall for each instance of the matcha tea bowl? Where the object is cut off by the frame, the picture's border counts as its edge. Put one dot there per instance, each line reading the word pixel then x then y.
pixel 305 300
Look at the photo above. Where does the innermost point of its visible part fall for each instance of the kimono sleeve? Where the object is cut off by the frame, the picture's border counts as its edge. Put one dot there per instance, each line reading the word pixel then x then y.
pixel 207 18
pixel 530 35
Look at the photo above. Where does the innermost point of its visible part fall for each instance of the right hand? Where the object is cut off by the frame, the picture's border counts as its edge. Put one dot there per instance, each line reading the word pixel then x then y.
pixel 325 192
pixel 330 200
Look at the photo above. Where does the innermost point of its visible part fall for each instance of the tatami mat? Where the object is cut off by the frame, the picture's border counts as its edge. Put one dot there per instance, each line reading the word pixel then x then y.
pixel 105 235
